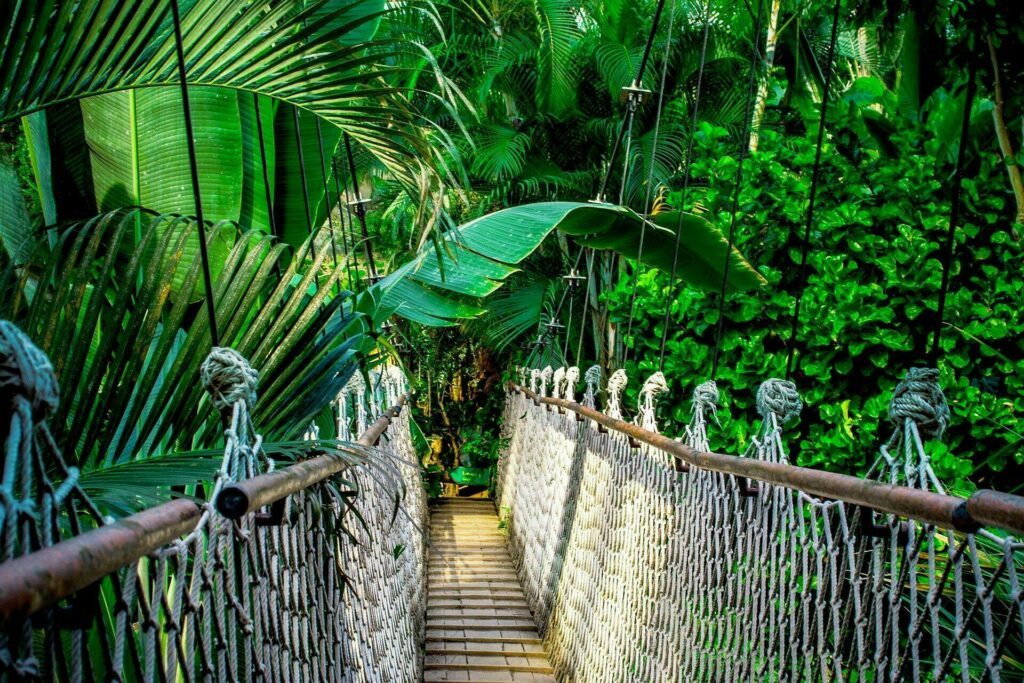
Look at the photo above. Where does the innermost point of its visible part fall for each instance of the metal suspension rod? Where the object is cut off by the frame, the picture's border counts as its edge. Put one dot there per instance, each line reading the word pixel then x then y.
pixel 204 256
pixel 271 220
pixel 751 93
pixel 673 285
pixel 327 194
pixel 360 211
pixel 343 200
pixel 802 273
pixel 954 211
pixel 302 178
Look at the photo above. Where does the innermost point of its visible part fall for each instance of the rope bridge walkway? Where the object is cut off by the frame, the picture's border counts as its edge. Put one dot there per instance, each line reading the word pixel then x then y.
pixel 479 626
pixel 630 556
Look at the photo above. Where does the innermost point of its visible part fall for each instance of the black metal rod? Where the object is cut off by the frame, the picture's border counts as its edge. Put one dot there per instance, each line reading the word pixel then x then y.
pixel 271 220
pixel 805 246
pixel 360 209
pixel 744 146
pixel 954 211
pixel 204 256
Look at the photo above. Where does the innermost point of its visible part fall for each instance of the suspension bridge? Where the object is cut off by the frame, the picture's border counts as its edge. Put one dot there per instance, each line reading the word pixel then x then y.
pixel 612 551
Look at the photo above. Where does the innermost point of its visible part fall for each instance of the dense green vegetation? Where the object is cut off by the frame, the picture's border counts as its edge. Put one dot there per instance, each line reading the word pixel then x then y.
pixel 456 112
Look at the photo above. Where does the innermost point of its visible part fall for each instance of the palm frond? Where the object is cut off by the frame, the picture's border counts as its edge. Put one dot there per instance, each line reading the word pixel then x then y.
pixel 127 351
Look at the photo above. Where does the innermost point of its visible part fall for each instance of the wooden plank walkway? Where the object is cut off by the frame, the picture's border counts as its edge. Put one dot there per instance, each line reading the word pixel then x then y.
pixel 479 627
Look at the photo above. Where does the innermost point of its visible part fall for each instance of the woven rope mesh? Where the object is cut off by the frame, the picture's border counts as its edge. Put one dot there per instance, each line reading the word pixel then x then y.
pixel 636 572
pixel 334 592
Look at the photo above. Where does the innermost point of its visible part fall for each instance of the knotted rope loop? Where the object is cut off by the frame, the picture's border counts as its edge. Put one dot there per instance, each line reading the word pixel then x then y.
pixel 545 375
pixel 557 382
pixel 616 384
pixel 229 378
pixel 778 397
pixel 705 397
pixel 572 377
pixel 25 371
pixel 593 379
pixel 647 403
pixel 919 397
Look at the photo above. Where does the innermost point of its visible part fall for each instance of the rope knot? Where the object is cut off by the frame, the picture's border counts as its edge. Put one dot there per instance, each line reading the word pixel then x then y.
pixel 592 377
pixel 544 376
pixel 616 383
pixel 26 371
pixel 229 378
pixel 654 385
pixel 572 378
pixel 919 397
pixel 647 403
pixel 778 397
pixel 558 380
pixel 705 397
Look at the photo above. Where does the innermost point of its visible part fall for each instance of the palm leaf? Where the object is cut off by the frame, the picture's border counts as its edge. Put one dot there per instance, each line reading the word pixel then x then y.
pixel 475 259
pixel 316 59
pixel 127 353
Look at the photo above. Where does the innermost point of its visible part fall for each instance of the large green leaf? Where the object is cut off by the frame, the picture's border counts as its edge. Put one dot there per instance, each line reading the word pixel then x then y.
pixel 127 354
pixel 15 226
pixel 137 142
pixel 319 58
pixel 480 255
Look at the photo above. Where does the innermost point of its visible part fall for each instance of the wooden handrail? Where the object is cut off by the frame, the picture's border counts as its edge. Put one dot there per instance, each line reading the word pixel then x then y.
pixel 238 499
pixel 983 508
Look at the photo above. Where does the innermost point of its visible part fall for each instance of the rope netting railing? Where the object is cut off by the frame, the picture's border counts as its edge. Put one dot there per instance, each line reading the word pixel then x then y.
pixel 651 559
pixel 326 585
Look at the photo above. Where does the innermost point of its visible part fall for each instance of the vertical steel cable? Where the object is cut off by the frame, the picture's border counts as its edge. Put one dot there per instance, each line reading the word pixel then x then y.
pixel 751 93
pixel 954 211
pixel 343 201
pixel 627 116
pixel 360 211
pixel 586 304
pixel 204 256
pixel 302 179
pixel 327 192
pixel 650 175
pixel 271 220
pixel 673 285
pixel 802 274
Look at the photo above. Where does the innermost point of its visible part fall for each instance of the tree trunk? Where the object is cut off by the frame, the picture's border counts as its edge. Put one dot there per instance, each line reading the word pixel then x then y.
pixel 762 87
pixel 1005 144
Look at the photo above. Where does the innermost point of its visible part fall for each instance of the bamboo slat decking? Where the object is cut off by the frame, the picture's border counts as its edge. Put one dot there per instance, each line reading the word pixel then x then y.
pixel 479 627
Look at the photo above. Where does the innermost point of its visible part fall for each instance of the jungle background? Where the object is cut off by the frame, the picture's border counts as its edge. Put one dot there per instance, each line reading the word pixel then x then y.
pixel 531 109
